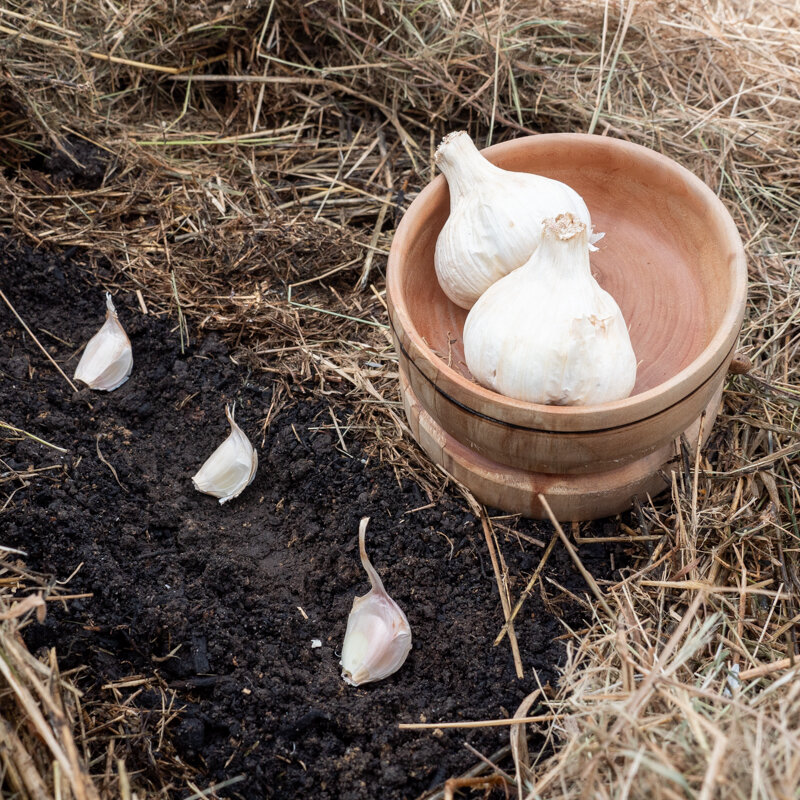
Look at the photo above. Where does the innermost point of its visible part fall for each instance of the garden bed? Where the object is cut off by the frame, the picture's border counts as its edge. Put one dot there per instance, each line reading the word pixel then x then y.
pixel 200 616
pixel 235 173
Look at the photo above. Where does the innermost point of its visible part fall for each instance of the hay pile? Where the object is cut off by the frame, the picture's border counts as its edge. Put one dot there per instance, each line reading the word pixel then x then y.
pixel 243 165
pixel 40 710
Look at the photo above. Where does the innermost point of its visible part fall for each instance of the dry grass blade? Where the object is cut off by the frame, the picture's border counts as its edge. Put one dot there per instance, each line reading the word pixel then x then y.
pixel 34 713
pixel 519 744
pixel 573 554
pixel 242 149
pixel 481 723
pixel 38 343
pixel 501 577
pixel 31 436
pixel 19 609
pixel 528 589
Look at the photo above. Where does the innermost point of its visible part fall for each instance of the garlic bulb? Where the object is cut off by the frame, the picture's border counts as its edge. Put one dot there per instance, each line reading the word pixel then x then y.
pixel 547 332
pixel 378 637
pixel 495 221
pixel 230 468
pixel 107 360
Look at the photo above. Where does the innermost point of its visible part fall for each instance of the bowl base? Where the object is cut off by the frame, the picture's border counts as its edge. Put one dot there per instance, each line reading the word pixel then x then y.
pixel 572 497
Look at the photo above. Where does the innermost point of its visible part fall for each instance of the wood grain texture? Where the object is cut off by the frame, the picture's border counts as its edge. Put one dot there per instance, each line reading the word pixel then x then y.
pixel 672 259
pixel 572 497
pixel 560 452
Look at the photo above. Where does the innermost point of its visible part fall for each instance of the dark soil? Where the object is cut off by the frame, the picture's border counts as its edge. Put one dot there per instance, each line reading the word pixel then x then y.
pixel 77 162
pixel 209 597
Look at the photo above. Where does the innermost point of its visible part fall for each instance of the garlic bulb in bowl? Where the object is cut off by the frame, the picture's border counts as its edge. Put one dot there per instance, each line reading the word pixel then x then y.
pixel 547 333
pixel 495 221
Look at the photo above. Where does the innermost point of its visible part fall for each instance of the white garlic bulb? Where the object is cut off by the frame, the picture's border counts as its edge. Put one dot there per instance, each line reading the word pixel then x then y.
pixel 547 333
pixel 378 637
pixel 230 468
pixel 107 360
pixel 495 221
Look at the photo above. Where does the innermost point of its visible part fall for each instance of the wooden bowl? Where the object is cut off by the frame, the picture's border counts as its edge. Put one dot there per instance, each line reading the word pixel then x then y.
pixel 571 497
pixel 673 260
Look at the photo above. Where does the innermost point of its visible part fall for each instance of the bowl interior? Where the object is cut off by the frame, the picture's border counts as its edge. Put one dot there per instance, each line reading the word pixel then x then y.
pixel 666 257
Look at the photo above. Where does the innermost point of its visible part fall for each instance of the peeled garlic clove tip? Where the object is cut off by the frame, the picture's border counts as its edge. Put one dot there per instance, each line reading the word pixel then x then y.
pixel 107 360
pixel 230 468
pixel 378 637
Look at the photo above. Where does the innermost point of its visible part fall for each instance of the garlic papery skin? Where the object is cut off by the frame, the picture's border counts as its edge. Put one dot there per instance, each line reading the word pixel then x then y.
pixel 378 637
pixel 230 468
pixel 107 359
pixel 547 333
pixel 495 221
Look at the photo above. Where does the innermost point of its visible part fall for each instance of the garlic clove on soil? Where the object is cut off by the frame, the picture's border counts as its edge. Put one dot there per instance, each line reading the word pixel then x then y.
pixel 378 637
pixel 107 360
pixel 495 220
pixel 547 332
pixel 230 468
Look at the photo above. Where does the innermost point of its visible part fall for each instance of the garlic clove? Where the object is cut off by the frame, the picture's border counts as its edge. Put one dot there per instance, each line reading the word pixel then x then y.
pixel 230 468
pixel 547 332
pixel 107 359
pixel 378 637
pixel 495 220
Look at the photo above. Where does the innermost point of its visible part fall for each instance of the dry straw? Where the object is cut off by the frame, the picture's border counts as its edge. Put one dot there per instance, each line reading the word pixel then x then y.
pixel 39 709
pixel 255 159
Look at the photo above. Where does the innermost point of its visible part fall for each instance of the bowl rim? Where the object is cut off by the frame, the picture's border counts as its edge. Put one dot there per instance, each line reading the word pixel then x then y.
pixel 507 410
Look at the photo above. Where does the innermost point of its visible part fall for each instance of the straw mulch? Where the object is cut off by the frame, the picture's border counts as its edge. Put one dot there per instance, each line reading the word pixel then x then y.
pixel 39 708
pixel 243 165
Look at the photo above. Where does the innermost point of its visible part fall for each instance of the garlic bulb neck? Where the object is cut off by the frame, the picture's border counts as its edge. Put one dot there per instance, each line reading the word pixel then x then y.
pixel 462 164
pixel 564 227
pixel 495 220
pixel 564 250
